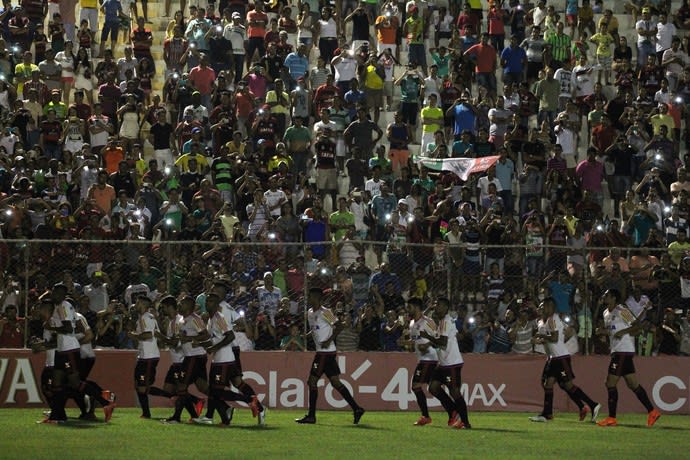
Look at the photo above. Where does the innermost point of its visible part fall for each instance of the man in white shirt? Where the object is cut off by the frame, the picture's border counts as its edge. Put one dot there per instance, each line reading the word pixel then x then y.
pixel 674 60
pixel 325 124
pixel 552 334
pixel 484 181
pixel 621 325
pixel 449 370
pixel 97 292
pixel 149 354
pixel 345 66
pixel 324 329
pixel 646 36
pixel 275 198
pixel 665 31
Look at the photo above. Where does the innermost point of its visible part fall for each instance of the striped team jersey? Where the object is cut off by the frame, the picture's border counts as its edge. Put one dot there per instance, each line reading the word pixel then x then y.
pixel 86 349
pixel 192 325
pixel 174 328
pixel 560 46
pixel 555 349
pixel 65 312
pixel 217 327
pixel 50 352
pixel 321 322
pixel 148 349
pixel 449 356
pixel 617 320
pixel 231 316
pixel 416 327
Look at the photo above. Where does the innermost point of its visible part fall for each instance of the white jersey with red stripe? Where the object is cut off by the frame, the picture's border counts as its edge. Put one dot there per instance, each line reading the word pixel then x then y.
pixel 450 355
pixel 191 327
pixel 148 348
pixel 321 322
pixel 424 323
pixel 174 328
pixel 50 352
pixel 231 316
pixel 551 326
pixel 617 320
pixel 86 349
pixel 217 328
pixel 65 312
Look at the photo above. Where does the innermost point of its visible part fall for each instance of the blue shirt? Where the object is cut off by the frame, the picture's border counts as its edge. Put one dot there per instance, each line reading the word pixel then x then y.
pixel 352 98
pixel 514 58
pixel 111 8
pixel 561 295
pixel 382 205
pixel 504 173
pixel 464 119
pixel 297 65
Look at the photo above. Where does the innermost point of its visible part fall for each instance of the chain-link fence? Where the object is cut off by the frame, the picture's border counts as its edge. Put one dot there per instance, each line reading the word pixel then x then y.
pixel 494 290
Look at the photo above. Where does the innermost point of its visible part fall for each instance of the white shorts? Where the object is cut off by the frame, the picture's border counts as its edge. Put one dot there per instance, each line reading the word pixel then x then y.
pixel 73 146
pixel 570 161
pixel 91 15
pixel 380 47
pixel 164 157
pixel 340 150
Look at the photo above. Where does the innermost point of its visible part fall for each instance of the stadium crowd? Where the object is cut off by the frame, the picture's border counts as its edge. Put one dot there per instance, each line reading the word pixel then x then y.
pixel 297 131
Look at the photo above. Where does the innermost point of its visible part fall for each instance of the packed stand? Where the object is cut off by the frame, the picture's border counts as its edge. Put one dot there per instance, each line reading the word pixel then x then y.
pixel 301 128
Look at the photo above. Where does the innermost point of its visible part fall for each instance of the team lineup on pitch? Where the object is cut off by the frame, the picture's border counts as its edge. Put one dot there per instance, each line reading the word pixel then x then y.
pixel 190 340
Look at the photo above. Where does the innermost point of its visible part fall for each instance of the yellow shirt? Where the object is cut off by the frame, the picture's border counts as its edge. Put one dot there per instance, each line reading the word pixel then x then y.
pixel 88 3
pixel 24 71
pixel 604 42
pixel 183 162
pixel 658 120
pixel 272 96
pixel 434 113
pixel 372 79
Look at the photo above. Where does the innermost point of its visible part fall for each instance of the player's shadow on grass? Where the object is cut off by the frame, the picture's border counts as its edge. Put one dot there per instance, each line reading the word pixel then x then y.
pixel 496 430
pixel 657 427
pixel 364 427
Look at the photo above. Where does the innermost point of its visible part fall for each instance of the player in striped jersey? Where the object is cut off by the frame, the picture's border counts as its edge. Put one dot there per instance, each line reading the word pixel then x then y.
pixel 86 362
pixel 552 334
pixel 67 361
pixel 149 354
pixel 324 329
pixel 621 325
pixel 193 330
pixel 427 357
pixel 172 340
pixel 449 370
pixel 224 369
pixel 48 344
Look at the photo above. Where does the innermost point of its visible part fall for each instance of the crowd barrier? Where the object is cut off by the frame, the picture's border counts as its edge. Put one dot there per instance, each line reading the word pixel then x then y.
pixel 379 381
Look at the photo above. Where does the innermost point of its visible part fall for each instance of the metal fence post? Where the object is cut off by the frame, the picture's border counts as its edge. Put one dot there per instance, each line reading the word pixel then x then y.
pixel 168 266
pixel 27 261
pixel 587 307
pixel 305 294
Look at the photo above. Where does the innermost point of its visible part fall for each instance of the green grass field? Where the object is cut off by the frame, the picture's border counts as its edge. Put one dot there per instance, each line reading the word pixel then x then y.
pixel 379 435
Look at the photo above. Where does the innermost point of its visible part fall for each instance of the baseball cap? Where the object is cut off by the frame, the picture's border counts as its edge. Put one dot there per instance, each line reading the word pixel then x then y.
pixel 403 201
pixel 236 15
pixel 196 130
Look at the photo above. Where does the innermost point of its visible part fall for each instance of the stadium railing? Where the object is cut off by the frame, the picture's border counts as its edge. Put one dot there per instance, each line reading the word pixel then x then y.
pixel 354 276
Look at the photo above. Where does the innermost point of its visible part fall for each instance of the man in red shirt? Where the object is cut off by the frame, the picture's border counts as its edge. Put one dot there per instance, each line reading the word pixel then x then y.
pixel 11 329
pixel 202 78
pixel 256 31
pixel 142 39
pixel 324 95
pixel 603 135
pixel 485 67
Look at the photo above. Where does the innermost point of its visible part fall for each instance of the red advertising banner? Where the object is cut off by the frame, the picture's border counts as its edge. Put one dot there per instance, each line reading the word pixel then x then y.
pixel 379 381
